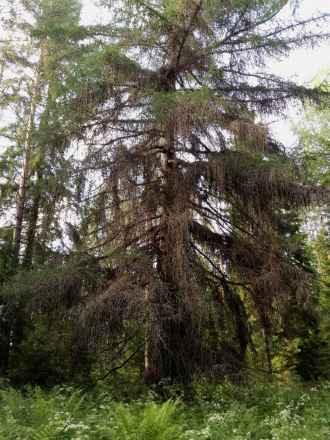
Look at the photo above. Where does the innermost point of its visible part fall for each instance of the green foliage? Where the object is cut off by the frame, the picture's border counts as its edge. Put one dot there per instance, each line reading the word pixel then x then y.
pixel 314 139
pixel 314 150
pixel 39 327
pixel 315 136
pixel 154 422
pixel 166 104
pixel 55 18
pixel 49 284
pixel 43 355
pixel 6 254
pixel 313 357
pixel 218 413
pixel 68 415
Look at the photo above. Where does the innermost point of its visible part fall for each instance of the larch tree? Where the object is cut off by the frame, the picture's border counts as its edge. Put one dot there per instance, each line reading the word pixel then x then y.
pixel 192 185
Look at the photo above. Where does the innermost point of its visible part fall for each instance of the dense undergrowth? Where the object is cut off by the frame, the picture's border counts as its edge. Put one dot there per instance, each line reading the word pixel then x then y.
pixel 226 412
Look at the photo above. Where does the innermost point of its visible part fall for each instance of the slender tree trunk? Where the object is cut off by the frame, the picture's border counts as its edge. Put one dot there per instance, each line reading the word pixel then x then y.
pixel 236 306
pixel 268 345
pixel 268 353
pixel 2 71
pixel 5 329
pixel 47 218
pixel 32 229
pixel 27 150
pixel 151 373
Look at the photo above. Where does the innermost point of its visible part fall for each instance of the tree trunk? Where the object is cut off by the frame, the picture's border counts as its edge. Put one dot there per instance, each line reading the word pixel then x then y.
pixel 32 229
pixel 268 353
pixel 170 342
pixel 27 150
pixel 268 344
pixel 5 328
pixel 2 71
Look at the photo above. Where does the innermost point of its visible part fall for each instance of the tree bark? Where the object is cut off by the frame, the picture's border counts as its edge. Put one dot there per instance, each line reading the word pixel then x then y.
pixel 27 150
pixel 32 229
pixel 268 352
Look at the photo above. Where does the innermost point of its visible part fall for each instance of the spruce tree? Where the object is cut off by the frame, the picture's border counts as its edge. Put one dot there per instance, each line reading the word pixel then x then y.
pixel 182 193
pixel 42 38
pixel 193 185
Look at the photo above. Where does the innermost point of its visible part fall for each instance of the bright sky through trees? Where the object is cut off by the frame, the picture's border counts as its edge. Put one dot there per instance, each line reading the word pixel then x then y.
pixel 302 65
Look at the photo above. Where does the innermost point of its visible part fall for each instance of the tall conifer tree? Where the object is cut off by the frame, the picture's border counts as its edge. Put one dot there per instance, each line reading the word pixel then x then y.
pixel 193 185
pixel 42 36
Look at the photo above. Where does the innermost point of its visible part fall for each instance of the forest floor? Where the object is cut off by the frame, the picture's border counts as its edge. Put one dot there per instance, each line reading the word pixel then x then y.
pixel 223 412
